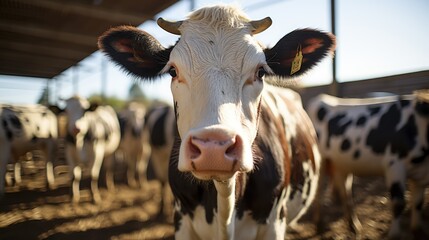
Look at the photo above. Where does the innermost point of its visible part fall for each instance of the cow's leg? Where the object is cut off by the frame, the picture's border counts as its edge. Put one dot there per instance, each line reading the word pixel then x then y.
pixel 76 177
pixel 343 184
pixel 417 200
pixel 73 160
pixel 110 175
pixel 162 202
pixel 131 169
pixel 17 173
pixel 50 154
pixel 4 158
pixel 395 180
pixel 141 168
pixel 95 171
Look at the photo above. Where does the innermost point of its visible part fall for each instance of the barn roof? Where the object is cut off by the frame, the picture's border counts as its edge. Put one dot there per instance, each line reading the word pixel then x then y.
pixel 45 37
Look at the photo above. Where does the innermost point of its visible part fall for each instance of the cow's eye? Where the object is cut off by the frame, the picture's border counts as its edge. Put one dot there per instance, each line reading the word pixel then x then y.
pixel 172 72
pixel 261 72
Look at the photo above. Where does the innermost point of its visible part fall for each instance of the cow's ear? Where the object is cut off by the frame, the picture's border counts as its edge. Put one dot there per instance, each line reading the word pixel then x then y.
pixel 136 51
pixel 299 51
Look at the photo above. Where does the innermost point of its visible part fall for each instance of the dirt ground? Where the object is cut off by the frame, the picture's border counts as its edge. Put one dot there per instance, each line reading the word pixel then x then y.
pixel 32 212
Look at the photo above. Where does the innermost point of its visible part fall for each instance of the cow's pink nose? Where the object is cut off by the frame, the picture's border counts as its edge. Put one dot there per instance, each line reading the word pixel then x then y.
pixel 212 151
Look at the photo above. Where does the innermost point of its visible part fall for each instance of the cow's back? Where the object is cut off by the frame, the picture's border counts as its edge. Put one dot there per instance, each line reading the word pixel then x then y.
pixel 26 127
pixel 362 136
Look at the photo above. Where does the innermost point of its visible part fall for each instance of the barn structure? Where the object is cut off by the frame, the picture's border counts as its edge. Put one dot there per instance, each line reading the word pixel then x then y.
pixel 44 38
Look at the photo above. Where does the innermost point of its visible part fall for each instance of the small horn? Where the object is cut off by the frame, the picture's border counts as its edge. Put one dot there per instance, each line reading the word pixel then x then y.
pixel 171 27
pixel 260 25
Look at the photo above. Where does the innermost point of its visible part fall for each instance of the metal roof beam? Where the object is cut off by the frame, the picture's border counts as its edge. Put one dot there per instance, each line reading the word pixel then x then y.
pixel 38 31
pixel 94 11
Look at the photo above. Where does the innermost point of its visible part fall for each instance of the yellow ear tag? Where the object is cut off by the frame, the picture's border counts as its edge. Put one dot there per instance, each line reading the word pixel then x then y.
pixel 297 61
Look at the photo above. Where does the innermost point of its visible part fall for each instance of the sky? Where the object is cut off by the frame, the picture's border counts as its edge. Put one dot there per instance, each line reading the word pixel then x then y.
pixel 375 38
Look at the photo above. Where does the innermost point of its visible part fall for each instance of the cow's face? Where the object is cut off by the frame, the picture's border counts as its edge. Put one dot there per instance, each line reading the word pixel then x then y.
pixel 216 86
pixel 75 110
pixel 217 70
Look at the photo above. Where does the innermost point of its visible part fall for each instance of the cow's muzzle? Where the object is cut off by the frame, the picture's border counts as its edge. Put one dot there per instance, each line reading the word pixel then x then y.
pixel 212 152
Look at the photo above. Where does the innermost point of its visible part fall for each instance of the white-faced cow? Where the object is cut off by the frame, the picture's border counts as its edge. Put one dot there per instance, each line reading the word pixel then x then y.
pixel 25 128
pixel 160 127
pixel 386 136
pixel 93 135
pixel 245 161
pixel 131 122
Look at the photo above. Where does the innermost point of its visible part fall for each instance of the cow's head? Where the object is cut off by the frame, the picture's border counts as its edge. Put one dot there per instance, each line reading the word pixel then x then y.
pixel 217 69
pixel 75 109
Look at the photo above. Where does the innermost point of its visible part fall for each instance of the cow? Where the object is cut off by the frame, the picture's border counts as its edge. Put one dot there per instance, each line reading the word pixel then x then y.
pixel 384 136
pixel 92 138
pixel 131 122
pixel 245 160
pixel 25 128
pixel 160 129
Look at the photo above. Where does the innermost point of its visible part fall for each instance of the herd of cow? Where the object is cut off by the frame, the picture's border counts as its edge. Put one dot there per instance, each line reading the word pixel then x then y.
pixel 241 157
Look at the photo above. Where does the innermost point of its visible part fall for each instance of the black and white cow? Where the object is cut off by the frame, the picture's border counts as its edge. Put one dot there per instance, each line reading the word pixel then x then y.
pixel 93 136
pixel 245 161
pixel 25 128
pixel 131 122
pixel 160 127
pixel 385 136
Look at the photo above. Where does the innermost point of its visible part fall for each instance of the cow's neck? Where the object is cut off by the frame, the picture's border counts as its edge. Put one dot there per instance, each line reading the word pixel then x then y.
pixel 225 204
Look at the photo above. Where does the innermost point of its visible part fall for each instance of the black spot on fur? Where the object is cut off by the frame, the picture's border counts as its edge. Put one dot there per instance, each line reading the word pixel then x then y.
pixel 34 139
pixel 422 108
pixel 421 157
pixel 337 126
pixel 345 145
pixel 16 123
pixel 321 113
pixel 386 134
pixel 356 155
pixel 373 110
pixel 361 121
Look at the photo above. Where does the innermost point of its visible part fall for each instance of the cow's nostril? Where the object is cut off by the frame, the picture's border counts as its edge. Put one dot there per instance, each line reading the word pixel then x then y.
pixel 233 151
pixel 194 150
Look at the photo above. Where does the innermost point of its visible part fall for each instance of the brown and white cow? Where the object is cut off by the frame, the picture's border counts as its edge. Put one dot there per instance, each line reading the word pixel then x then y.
pixel 245 161
pixel 93 136
pixel 131 122
pixel 25 128
pixel 385 136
